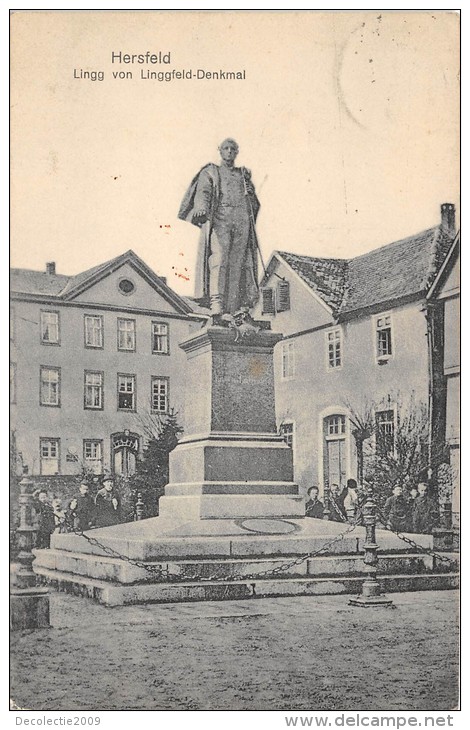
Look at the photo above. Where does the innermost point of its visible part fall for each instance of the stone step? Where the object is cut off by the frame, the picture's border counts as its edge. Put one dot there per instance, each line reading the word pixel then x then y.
pixel 113 594
pixel 156 539
pixel 122 571
pixel 232 487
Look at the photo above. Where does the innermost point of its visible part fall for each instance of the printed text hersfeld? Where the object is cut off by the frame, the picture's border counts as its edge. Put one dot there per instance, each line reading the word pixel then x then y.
pixel 160 57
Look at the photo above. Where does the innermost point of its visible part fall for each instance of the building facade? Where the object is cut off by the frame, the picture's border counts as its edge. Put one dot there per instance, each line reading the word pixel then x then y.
pixel 356 347
pixel 444 303
pixel 94 361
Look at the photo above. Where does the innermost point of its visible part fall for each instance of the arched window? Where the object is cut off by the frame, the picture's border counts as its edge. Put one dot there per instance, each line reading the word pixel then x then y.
pixel 125 447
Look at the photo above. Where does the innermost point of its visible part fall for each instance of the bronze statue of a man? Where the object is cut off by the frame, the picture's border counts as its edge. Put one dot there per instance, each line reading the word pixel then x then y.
pixel 221 200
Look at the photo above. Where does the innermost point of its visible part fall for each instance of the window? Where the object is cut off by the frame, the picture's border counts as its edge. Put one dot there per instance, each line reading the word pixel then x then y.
pixel 283 296
pixel 93 455
pixel 287 360
pixel 336 447
pixel 384 336
pixel 385 432
pixel 49 328
pixel 333 339
pixel 49 455
pixel 267 301
pixel 93 330
pixel 12 382
pixel 159 395
pixel 160 338
pixel 335 425
pixel 276 300
pixel 126 392
pixel 50 386
pixel 126 334
pixel 287 432
pixel 93 394
pixel 124 450
pixel 126 286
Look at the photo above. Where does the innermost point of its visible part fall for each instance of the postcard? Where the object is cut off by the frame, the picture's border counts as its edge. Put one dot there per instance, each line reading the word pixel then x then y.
pixel 234 364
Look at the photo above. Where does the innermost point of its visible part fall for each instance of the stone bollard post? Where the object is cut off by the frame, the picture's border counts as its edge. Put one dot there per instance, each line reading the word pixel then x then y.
pixel 139 507
pixel 371 594
pixel 29 603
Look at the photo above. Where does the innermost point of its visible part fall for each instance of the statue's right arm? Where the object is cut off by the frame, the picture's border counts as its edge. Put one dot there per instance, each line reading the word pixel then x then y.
pixel 203 197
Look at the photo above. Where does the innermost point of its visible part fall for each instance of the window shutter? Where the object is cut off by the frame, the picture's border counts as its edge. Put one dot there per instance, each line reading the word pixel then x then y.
pixel 283 296
pixel 268 301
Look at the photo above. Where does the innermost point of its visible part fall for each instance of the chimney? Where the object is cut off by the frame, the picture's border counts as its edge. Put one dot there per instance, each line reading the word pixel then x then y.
pixel 50 267
pixel 448 218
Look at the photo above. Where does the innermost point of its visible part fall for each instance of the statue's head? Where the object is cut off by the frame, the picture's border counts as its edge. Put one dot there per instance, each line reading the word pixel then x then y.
pixel 228 149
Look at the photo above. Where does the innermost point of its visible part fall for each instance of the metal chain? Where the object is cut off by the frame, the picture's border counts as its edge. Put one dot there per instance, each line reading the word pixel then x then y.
pixel 412 543
pixel 157 570
pixel 285 566
pixel 337 509
pixel 161 572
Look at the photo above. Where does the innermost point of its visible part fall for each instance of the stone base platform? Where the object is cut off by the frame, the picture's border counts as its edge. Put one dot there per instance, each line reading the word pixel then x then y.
pixel 114 594
pixel 227 559
pixel 159 537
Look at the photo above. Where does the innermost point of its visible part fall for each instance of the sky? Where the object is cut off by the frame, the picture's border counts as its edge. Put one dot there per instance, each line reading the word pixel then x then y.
pixel 347 120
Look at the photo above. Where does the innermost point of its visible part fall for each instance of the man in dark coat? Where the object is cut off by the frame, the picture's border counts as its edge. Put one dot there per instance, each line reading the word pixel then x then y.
pixel 396 510
pixel 425 511
pixel 221 200
pixel 314 506
pixel 82 509
pixel 412 494
pixel 45 519
pixel 108 506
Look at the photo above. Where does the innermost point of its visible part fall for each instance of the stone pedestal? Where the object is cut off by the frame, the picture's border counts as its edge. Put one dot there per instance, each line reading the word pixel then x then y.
pixel 231 463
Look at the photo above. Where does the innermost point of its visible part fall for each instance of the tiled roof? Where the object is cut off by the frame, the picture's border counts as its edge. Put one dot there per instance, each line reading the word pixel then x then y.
pixel 326 277
pixel 25 281
pixel 40 282
pixel 75 281
pixel 400 269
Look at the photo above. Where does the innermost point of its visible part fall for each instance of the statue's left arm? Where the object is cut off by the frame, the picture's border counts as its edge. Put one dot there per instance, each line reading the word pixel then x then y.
pixel 250 191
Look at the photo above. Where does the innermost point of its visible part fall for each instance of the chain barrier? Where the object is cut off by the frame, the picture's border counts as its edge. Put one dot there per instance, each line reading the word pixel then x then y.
pixel 285 566
pixel 157 570
pixel 161 572
pixel 412 543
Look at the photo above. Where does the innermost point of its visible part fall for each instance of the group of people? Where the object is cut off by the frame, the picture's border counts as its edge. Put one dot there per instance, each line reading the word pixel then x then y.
pixel 344 505
pixel 417 511
pixel 83 512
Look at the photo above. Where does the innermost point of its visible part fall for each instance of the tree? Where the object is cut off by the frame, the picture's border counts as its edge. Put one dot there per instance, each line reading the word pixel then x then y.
pixel 362 421
pixel 392 452
pixel 152 471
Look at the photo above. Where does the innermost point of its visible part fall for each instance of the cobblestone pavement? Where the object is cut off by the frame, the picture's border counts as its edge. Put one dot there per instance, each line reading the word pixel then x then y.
pixel 302 653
